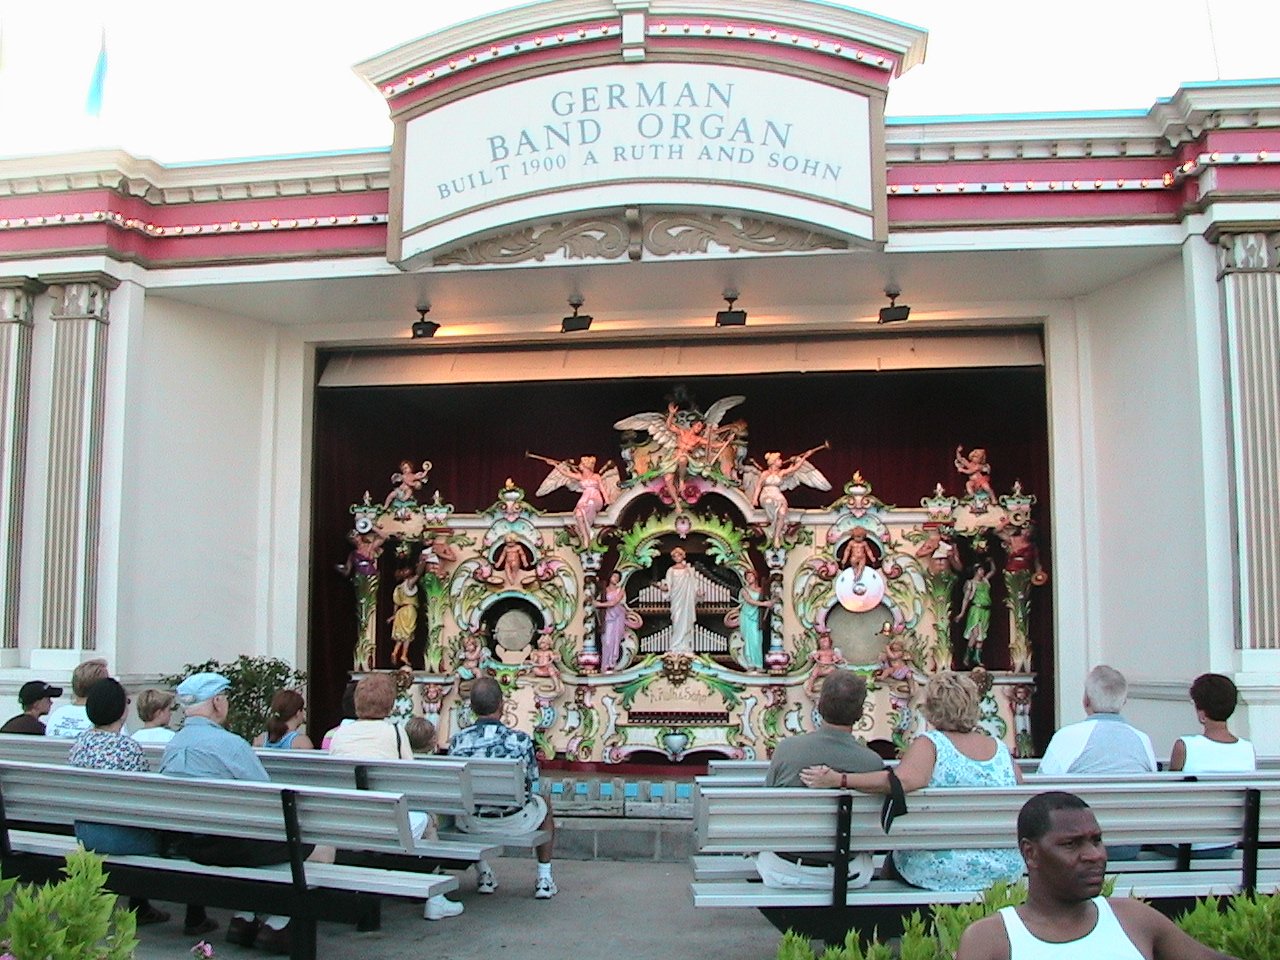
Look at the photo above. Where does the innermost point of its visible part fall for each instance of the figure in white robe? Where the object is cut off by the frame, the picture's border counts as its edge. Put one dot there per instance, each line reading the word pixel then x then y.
pixel 681 587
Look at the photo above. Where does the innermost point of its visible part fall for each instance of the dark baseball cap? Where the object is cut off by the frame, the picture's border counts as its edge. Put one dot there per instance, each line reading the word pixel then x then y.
pixel 34 690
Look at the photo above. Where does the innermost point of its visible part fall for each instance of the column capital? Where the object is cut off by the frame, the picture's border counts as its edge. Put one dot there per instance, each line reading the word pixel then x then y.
pixel 82 296
pixel 17 299
pixel 1256 251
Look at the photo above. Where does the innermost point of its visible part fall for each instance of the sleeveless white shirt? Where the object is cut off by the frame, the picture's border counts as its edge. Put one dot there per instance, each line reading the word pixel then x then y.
pixel 1106 941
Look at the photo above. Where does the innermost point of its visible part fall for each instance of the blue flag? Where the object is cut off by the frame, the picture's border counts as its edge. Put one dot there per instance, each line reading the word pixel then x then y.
pixel 93 103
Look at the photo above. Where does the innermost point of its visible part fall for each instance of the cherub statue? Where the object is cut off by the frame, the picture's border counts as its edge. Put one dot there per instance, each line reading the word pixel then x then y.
pixel 408 481
pixel 778 475
pixel 978 471
pixel 683 440
pixel 939 553
pixel 975 610
pixel 857 553
pixel 468 668
pixel 404 622
pixel 511 567
pixel 544 664
pixel 826 660
pixel 894 669
pixel 597 489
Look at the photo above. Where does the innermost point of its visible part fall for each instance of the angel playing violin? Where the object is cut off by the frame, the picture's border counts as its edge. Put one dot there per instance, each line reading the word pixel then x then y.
pixel 778 475
pixel 596 489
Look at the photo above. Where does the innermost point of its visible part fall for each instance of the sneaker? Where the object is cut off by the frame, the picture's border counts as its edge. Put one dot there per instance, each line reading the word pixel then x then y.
pixel 242 932
pixel 440 907
pixel 486 881
pixel 545 889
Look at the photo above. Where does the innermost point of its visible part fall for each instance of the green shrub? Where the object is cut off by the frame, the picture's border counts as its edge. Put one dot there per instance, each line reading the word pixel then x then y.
pixel 73 919
pixel 254 681
pixel 1248 928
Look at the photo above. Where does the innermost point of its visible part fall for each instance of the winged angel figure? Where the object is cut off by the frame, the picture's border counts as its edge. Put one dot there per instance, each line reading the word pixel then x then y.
pixel 596 489
pixel 767 484
pixel 688 443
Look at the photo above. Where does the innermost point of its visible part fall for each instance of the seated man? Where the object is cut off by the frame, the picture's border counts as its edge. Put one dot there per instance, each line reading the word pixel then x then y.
pixel 203 749
pixel 490 737
pixel 1064 914
pixel 36 698
pixel 70 720
pixel 833 743
pixel 1103 743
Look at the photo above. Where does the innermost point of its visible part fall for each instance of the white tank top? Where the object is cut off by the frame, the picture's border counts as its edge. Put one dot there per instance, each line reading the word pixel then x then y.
pixel 1106 941
pixel 1210 756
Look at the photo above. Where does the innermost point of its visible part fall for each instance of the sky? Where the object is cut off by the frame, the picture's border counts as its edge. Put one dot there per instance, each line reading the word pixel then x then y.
pixel 188 80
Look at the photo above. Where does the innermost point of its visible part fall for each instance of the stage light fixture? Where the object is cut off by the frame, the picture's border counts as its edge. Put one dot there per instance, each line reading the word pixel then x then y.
pixel 731 317
pixel 422 327
pixel 894 313
pixel 576 321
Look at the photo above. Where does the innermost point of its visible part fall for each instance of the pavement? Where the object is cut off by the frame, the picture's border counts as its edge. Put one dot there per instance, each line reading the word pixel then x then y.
pixel 606 910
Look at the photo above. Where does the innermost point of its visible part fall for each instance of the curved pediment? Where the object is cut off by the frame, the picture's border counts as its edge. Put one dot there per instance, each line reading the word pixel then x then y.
pixel 572 111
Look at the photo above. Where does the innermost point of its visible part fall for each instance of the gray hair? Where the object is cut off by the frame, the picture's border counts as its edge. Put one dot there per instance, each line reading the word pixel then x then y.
pixel 1106 689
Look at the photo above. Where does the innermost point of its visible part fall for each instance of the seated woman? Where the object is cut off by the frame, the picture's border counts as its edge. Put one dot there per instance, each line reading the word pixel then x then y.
pixel 284 723
pixel 105 747
pixel 954 754
pixel 371 736
pixel 1217 749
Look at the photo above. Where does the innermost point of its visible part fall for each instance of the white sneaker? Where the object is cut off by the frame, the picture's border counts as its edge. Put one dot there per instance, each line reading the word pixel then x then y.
pixel 545 889
pixel 439 907
pixel 486 881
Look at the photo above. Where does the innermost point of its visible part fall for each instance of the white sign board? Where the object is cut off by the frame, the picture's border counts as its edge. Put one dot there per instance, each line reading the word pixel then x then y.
pixel 652 133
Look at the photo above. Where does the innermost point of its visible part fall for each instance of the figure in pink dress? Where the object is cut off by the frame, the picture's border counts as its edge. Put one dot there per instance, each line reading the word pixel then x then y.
pixel 596 489
pixel 614 607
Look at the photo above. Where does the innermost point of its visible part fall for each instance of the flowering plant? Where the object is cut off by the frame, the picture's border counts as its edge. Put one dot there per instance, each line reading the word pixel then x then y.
pixel 203 949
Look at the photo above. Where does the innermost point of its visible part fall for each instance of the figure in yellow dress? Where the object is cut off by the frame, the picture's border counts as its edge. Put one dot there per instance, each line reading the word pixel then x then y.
pixel 404 622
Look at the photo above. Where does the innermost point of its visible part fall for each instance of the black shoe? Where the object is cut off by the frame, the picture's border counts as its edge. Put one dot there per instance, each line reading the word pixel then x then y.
pixel 201 927
pixel 242 932
pixel 275 941
pixel 147 914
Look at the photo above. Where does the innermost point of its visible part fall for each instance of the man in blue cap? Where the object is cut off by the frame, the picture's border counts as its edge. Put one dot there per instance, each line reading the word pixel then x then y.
pixel 204 749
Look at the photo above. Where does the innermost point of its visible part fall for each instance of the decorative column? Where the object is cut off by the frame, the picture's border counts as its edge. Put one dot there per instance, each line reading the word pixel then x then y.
pixel 1249 275
pixel 75 461
pixel 17 298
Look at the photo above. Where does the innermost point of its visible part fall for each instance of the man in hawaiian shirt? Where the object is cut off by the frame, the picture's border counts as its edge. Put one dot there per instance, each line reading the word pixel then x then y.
pixel 490 737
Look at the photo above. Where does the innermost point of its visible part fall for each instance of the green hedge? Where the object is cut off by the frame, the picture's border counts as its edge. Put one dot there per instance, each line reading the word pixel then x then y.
pixel 1245 927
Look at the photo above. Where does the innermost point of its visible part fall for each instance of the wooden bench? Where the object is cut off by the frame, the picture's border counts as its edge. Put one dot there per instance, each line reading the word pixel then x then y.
pixel 744 820
pixel 293 814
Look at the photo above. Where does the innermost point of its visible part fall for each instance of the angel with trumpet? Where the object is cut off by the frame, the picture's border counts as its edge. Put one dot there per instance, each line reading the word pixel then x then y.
pixel 778 475
pixel 595 488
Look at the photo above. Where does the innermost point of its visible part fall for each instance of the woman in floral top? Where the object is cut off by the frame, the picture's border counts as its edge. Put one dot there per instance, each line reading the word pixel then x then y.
pixel 105 747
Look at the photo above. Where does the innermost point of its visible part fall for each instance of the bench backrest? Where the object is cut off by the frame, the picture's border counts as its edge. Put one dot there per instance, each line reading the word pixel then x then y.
pixel 493 782
pixel 749 819
pixel 347 819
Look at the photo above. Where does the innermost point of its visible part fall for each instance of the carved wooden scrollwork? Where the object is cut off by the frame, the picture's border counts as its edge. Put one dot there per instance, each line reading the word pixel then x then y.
pixel 577 240
pixel 669 234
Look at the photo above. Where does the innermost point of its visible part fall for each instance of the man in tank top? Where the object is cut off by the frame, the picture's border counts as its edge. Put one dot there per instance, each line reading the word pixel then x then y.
pixel 1064 917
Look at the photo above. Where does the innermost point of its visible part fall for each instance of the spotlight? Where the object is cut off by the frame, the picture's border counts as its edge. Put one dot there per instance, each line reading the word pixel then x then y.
pixel 576 321
pixel 731 317
pixel 894 313
pixel 422 327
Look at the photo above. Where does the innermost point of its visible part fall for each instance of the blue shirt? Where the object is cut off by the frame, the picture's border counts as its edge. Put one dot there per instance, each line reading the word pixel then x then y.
pixel 205 750
pixel 492 738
